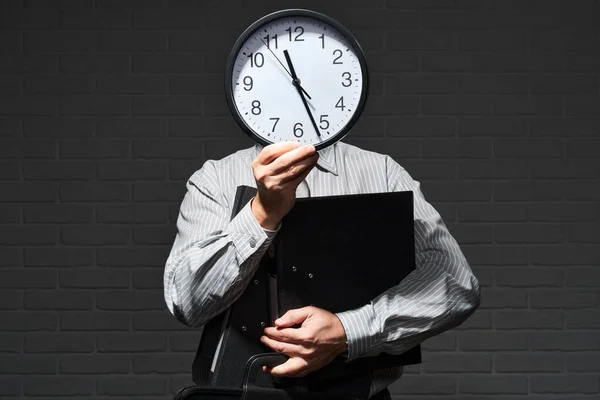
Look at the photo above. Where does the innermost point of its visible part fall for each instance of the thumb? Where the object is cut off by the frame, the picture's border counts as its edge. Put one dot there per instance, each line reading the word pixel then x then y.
pixel 293 317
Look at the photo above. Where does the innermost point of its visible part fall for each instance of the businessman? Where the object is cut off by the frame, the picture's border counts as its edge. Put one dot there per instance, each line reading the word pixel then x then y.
pixel 213 259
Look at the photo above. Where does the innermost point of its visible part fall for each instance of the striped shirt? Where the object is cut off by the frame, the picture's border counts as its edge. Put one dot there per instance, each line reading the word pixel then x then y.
pixel 214 258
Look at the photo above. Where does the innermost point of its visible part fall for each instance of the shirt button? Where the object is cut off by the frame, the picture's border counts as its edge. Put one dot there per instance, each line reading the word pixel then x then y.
pixel 252 242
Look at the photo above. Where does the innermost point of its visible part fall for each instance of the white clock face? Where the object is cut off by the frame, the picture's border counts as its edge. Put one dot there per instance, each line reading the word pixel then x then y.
pixel 329 76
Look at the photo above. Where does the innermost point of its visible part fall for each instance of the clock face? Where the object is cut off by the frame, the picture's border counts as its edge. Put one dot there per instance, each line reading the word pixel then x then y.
pixel 296 75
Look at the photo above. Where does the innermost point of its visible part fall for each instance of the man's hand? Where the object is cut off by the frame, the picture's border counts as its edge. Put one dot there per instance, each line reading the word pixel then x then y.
pixel 319 339
pixel 278 170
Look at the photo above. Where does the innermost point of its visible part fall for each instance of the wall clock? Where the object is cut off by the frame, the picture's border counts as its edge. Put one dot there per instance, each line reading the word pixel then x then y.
pixel 296 75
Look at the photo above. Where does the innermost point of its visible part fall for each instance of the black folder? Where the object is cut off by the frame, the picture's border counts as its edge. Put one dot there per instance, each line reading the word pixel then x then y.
pixel 334 252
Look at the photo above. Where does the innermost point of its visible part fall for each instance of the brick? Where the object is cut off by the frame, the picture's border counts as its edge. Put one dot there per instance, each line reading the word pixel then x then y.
pixel 11 127
pixel 197 41
pixel 131 342
pixel 564 384
pixel 182 169
pixel 529 277
pixel 130 300
pixel 94 63
pixel 563 84
pixel 486 84
pixel 55 127
pixel 184 341
pixel 457 191
pixel 27 278
pixel 94 321
pixel 582 319
pixel 132 42
pixel 161 363
pixel 391 105
pixel 58 170
pixel 11 42
pixel 542 319
pixel 86 149
pixel 524 63
pixel 454 62
pixel 424 385
pixel 131 127
pixel 158 192
pixel 530 148
pixel 492 212
pixel 392 62
pixel 131 4
pixel 11 300
pixel 583 362
pixel 11 343
pixel 156 321
pixel 27 235
pixel 485 275
pixel 58 300
pixel 492 169
pixel 528 363
pixel 27 19
pixel 492 341
pixel 27 364
pixel 27 321
pixel 582 233
pixel 94 235
pixel 469 234
pixel 457 363
pixel 94 192
pixel 58 386
pixel 495 255
pixel 555 168
pixel 148 279
pixel 59 343
pixel 481 319
pixel 421 40
pixel 131 171
pixel 57 213
pixel 420 84
pixel 58 84
pixel 568 127
pixel 94 105
pixel 10 85
pixel 500 127
pixel 59 257
pixel 94 278
pixel 422 170
pixel 132 214
pixel 196 84
pixel 582 276
pixel 419 127
pixel 28 63
pixel 565 255
pixel 493 385
pixel 94 364
pixel 10 385
pixel 564 341
pixel 155 256
pixel 528 233
pixel 79 5
pixel 95 19
pixel 175 105
pixel 530 105
pixel 28 149
pixel 203 126
pixel 503 298
pixel 131 385
pixel 549 298
pixel 170 19
pixel 154 235
pixel 582 147
pixel 457 148
pixel 11 257
pixel 527 191
pixel 128 84
pixel 59 42
pixel 10 170
pixel 167 63
pixel 582 105
pixel 456 105
pixel 494 41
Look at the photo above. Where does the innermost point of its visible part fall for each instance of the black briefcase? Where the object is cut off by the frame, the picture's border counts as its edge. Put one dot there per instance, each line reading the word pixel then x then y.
pixel 251 390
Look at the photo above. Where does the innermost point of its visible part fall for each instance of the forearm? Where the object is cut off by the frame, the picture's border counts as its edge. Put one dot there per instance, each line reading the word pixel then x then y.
pixel 207 276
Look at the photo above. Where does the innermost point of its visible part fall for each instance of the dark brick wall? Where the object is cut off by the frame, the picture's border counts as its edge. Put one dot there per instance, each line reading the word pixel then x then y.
pixel 107 106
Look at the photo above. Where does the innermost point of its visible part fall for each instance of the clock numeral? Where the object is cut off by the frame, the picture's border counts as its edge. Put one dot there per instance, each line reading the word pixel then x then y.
pixel 347 79
pixel 298 132
pixel 335 60
pixel 322 37
pixel 256 59
pixel 340 103
pixel 256 107
pixel 298 29
pixel 324 121
pixel 274 39
pixel 248 83
pixel 276 119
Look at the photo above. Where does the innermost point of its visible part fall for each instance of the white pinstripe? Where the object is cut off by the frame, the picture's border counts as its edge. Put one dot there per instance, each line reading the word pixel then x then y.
pixel 213 260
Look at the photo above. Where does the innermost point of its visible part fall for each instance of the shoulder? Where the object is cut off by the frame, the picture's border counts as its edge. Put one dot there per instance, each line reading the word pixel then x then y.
pixel 355 153
pixel 214 170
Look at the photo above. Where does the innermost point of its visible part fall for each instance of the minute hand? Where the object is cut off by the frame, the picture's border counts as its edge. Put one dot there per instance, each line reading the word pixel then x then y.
pixel 296 83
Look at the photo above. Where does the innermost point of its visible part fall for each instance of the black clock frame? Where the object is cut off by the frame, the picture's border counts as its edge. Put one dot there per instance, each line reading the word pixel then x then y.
pixel 286 14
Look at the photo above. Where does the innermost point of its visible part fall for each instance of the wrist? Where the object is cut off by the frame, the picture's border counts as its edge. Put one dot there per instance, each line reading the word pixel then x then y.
pixel 265 219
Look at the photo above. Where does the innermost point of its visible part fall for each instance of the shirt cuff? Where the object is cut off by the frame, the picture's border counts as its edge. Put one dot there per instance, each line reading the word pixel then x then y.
pixel 248 236
pixel 361 330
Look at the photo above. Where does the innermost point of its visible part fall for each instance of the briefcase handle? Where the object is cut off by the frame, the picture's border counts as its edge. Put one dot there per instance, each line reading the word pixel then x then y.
pixel 255 364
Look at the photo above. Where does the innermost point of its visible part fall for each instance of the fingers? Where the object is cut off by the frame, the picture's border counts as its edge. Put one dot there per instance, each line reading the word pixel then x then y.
pixel 272 151
pixel 293 317
pixel 281 347
pixel 286 160
pixel 288 335
pixel 299 171
pixel 293 367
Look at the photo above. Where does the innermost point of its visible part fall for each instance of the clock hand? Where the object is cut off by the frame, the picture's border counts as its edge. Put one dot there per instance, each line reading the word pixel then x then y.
pixel 277 58
pixel 296 83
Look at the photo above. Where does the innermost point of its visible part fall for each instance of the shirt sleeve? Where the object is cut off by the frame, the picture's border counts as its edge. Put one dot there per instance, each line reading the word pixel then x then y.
pixel 438 295
pixel 213 258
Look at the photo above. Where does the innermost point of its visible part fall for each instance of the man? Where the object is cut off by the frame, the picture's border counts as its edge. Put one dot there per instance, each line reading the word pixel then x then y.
pixel 213 259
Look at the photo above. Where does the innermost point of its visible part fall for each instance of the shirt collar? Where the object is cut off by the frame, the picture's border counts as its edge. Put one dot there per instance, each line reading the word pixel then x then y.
pixel 327 157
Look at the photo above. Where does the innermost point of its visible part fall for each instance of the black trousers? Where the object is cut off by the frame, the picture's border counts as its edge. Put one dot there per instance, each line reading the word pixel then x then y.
pixel 382 395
